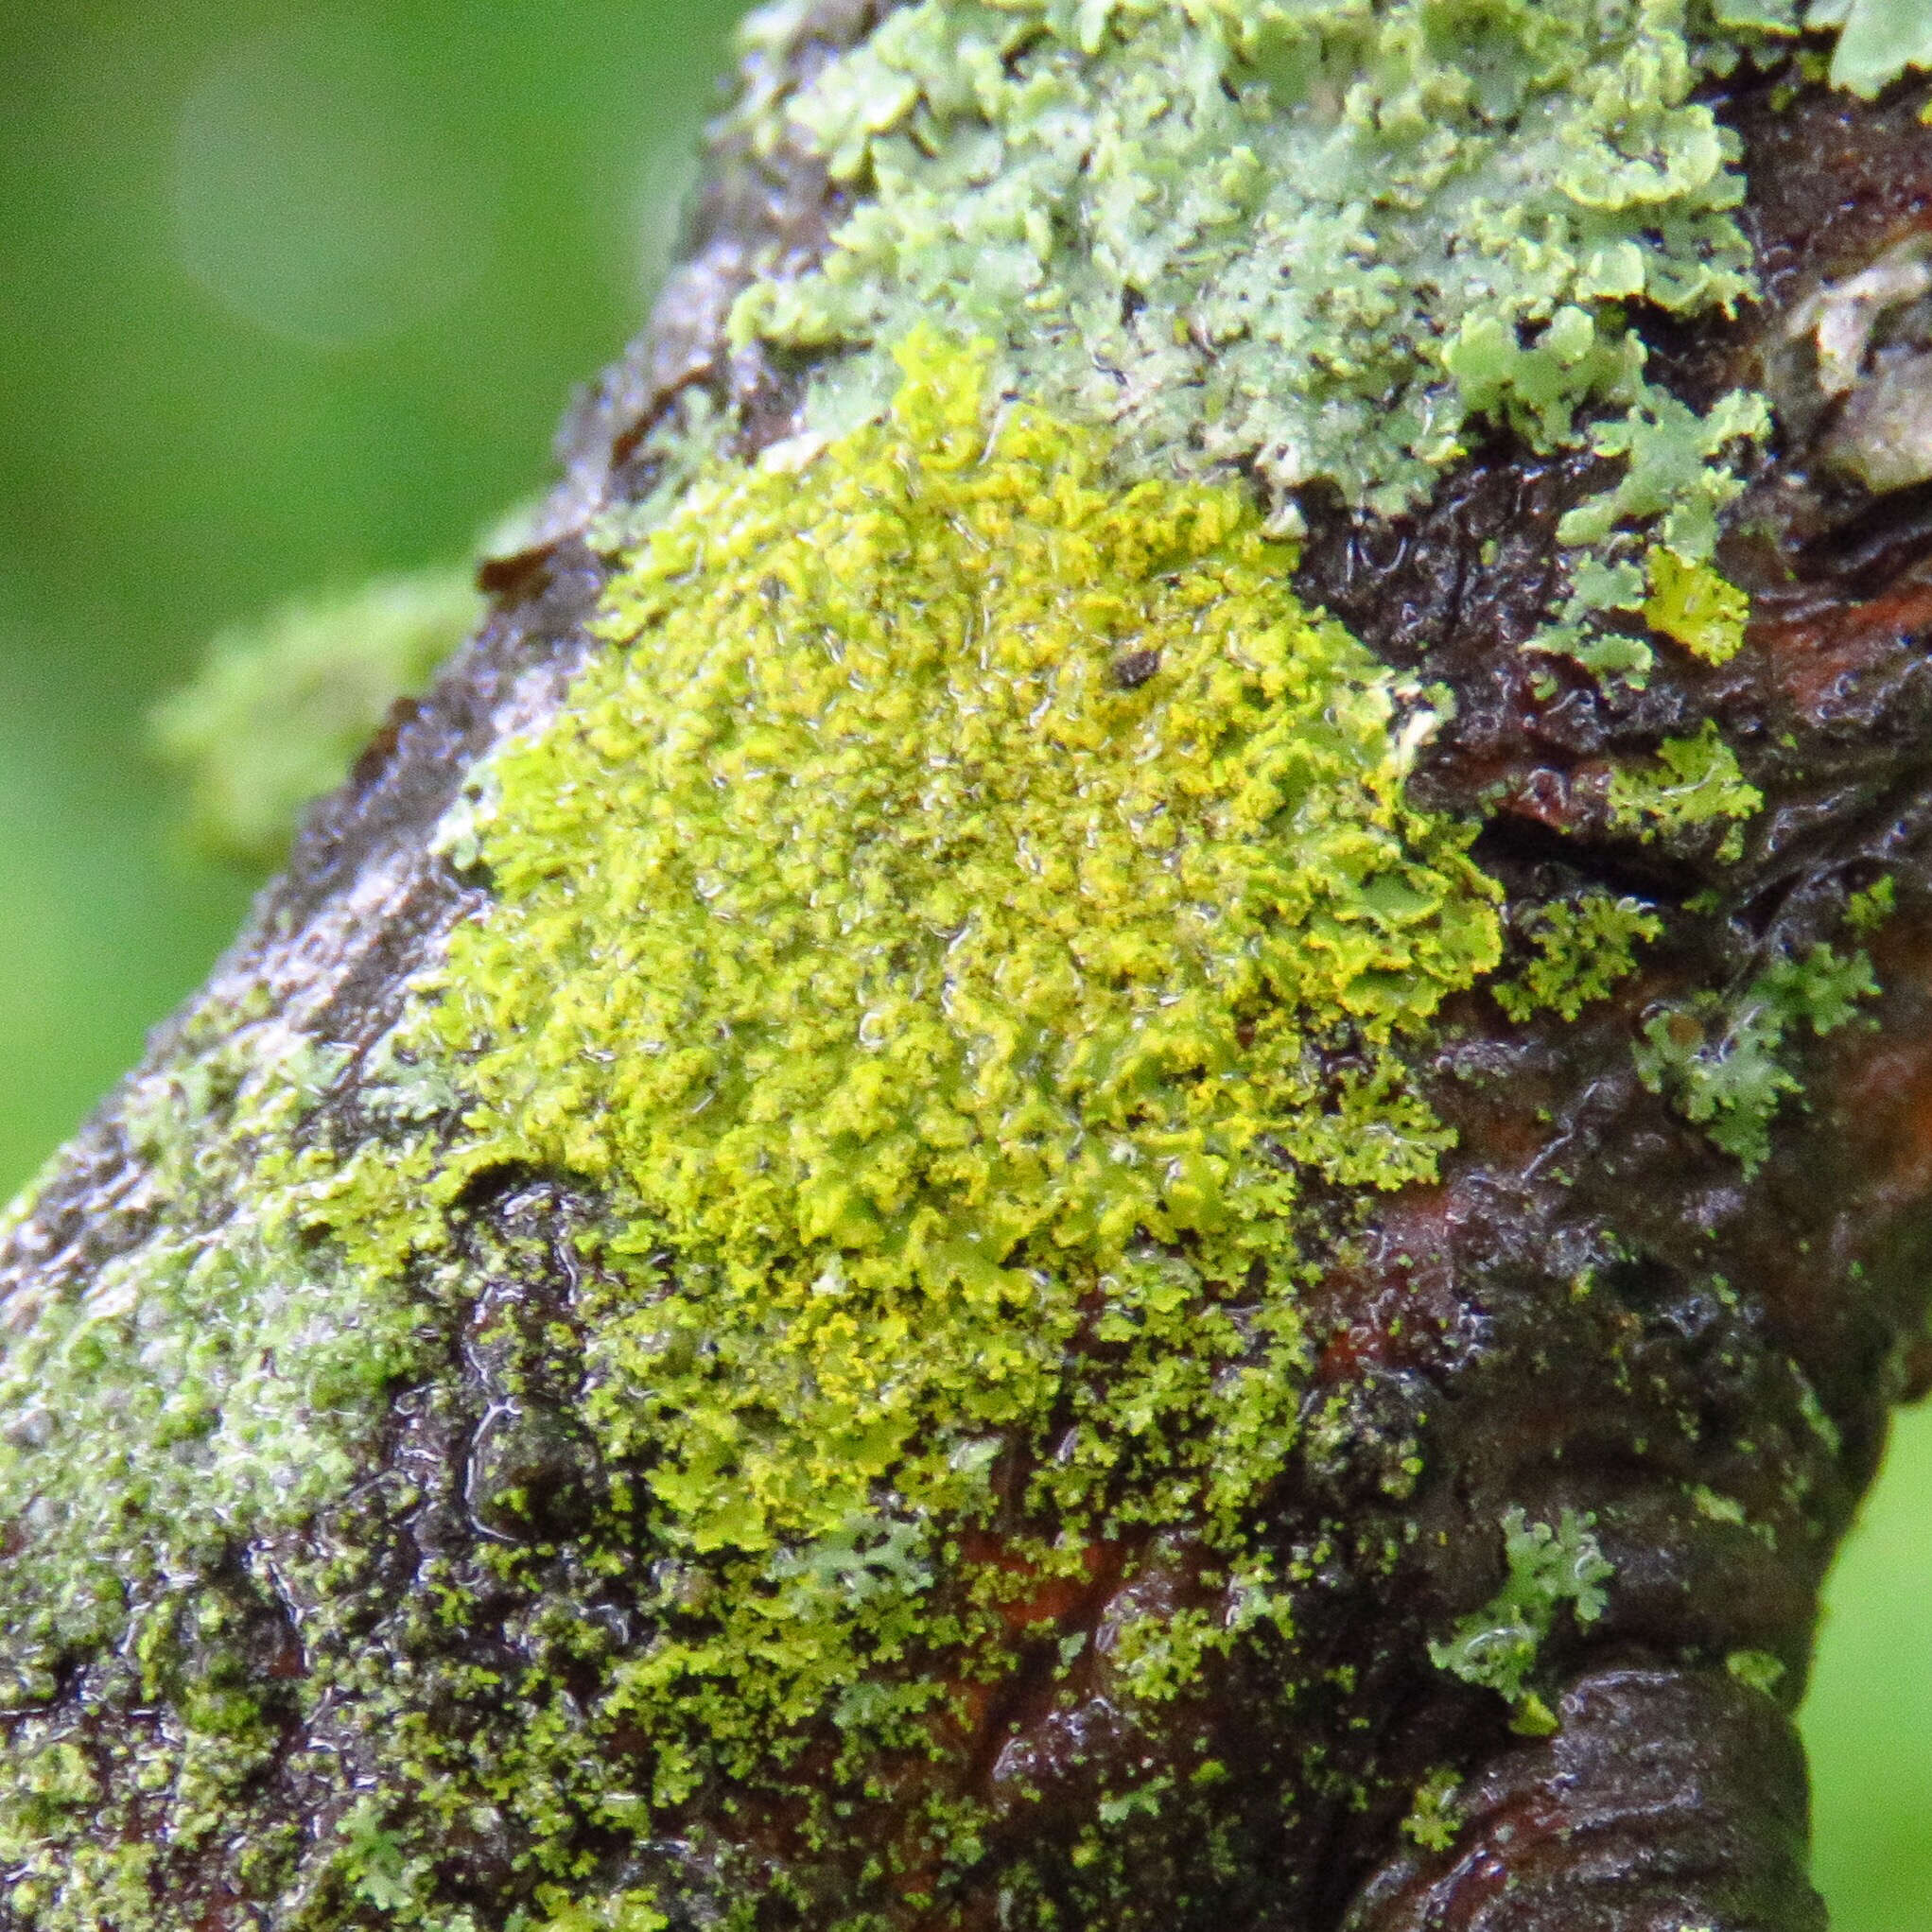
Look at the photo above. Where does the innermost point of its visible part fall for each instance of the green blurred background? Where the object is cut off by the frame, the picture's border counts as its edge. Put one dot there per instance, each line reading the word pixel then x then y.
pixel 293 295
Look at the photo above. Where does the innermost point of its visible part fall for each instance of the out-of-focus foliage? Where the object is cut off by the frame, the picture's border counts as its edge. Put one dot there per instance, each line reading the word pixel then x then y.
pixel 1868 1720
pixel 279 709
pixel 292 294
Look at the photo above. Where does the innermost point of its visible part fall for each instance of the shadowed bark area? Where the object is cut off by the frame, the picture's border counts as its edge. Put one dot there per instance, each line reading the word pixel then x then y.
pixel 1597 1310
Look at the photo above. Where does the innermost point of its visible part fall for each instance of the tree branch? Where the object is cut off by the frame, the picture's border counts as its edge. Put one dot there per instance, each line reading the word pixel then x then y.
pixel 1117 1121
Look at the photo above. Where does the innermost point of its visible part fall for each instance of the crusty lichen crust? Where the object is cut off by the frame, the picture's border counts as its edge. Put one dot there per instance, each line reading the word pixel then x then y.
pixel 955 970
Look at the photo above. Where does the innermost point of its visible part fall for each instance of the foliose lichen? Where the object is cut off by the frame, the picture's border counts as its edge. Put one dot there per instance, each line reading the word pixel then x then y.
pixel 1321 241
pixel 1126 197
pixel 1584 947
pixel 1696 606
pixel 1866 910
pixel 1758 1670
pixel 1434 1818
pixel 1721 1064
pixel 1497 1645
pixel 1695 782
pixel 946 938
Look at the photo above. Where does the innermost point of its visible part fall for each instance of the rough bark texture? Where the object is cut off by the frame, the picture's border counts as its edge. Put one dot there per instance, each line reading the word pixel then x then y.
pixel 1541 1325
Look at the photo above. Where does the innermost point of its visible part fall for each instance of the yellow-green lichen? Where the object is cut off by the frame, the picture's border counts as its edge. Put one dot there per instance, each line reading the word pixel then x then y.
pixel 978 901
pixel 1695 782
pixel 1695 606
pixel 1676 479
pixel 1758 1670
pixel 957 914
pixel 1584 947
pixel 939 944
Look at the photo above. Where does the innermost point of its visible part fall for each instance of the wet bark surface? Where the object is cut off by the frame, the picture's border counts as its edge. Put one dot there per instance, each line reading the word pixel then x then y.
pixel 1593 1311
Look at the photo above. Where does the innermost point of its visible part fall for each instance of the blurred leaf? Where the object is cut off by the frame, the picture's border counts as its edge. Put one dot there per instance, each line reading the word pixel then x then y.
pixel 281 708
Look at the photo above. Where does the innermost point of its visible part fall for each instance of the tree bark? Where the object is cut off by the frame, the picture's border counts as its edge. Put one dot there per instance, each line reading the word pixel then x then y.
pixel 1597 1337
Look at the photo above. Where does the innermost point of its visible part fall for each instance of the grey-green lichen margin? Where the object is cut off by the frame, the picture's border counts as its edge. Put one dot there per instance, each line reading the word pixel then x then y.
pixel 1322 242
pixel 1879 40
pixel 1723 1064
pixel 219 1382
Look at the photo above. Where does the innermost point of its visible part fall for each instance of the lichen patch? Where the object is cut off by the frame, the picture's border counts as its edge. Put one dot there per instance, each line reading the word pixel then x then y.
pixel 950 927
pixel 1324 243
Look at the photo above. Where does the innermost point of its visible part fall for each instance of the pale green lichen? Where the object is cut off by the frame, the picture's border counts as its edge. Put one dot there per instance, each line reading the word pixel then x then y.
pixel 1866 910
pixel 1497 1645
pixel 279 709
pixel 1714 1508
pixel 1877 42
pixel 1675 483
pixel 689 436
pixel 1695 782
pixel 1722 1066
pixel 1434 1818
pixel 1321 241
pixel 1584 947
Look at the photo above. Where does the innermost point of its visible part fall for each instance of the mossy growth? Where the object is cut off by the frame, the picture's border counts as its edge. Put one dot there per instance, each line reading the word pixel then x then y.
pixel 1584 947
pixel 949 926
pixel 1497 1645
